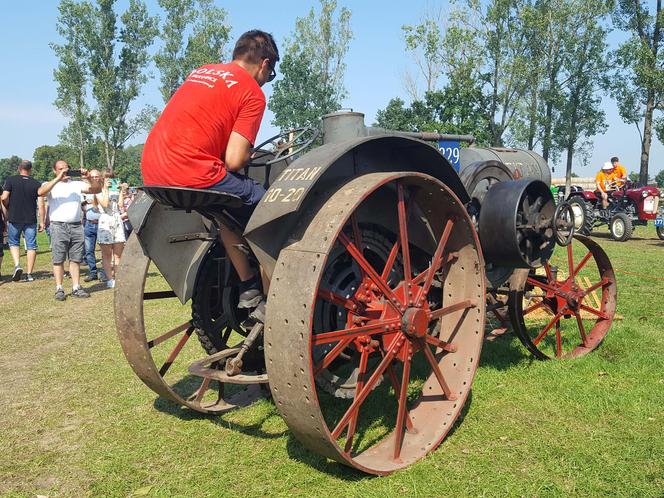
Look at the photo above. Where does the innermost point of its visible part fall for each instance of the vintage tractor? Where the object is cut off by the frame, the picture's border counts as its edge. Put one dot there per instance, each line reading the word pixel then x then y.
pixel 628 207
pixel 382 260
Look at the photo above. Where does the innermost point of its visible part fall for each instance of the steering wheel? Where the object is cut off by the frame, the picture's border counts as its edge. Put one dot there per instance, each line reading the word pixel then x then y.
pixel 283 145
pixel 563 224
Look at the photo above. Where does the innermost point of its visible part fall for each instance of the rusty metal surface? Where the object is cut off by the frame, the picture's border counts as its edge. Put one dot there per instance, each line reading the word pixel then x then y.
pixel 521 163
pixel 128 307
pixel 328 167
pixel 290 315
pixel 567 299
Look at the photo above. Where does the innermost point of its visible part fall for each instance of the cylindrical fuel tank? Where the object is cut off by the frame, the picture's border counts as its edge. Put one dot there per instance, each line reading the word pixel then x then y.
pixel 522 163
pixel 342 126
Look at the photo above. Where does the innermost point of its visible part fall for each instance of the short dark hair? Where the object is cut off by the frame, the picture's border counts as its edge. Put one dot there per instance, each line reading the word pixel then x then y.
pixel 254 46
pixel 614 159
pixel 25 164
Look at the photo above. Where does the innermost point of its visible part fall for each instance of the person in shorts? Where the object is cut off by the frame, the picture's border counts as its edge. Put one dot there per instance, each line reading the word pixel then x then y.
pixel 64 197
pixel 204 138
pixel 110 232
pixel 19 197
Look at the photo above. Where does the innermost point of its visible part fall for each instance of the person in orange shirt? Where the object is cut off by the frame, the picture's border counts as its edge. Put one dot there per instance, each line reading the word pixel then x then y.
pixel 611 177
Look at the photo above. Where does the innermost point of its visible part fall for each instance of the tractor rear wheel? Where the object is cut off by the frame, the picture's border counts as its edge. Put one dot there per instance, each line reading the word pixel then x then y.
pixel 620 227
pixel 584 216
pixel 566 309
pixel 415 322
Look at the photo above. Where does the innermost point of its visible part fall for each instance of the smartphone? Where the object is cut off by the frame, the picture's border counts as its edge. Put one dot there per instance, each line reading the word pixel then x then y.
pixel 115 185
pixel 74 172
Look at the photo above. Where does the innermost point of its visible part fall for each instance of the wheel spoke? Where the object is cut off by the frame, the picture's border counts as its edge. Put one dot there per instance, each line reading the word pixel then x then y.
pixel 468 303
pixel 595 312
pixel 547 269
pixel 403 235
pixel 397 389
pixel 436 261
pixel 331 356
pixel 176 350
pixel 368 387
pixel 445 346
pixel 168 335
pixel 544 331
pixel 436 371
pixel 570 260
pixel 389 264
pixel 582 263
pixel 532 308
pixel 582 329
pixel 371 273
pixel 542 285
pixel 402 413
pixel 337 299
pixel 559 341
pixel 364 357
pixel 205 385
pixel 599 284
pixel 353 332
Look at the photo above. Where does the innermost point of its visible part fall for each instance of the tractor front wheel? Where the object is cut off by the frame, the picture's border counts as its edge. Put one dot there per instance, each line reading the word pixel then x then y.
pixel 621 227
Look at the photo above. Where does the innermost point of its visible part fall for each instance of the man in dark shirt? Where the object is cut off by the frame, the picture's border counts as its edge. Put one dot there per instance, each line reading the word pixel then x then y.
pixel 20 199
pixel 3 215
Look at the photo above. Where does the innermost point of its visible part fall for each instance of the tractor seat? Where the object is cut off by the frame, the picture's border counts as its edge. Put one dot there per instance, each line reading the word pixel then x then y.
pixel 192 199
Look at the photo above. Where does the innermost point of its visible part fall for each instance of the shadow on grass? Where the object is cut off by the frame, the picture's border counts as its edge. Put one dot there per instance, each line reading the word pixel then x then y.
pixel 504 352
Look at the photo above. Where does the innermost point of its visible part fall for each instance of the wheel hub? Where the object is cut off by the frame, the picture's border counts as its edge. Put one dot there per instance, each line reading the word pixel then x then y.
pixel 415 322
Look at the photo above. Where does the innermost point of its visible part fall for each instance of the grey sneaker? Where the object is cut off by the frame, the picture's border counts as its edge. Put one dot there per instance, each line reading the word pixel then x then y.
pixel 29 278
pixel 80 292
pixel 18 271
pixel 60 295
pixel 250 299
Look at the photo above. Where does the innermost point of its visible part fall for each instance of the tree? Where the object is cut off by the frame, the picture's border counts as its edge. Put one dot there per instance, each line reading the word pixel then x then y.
pixel 44 159
pixel 313 68
pixel 8 167
pixel 637 83
pixel 581 115
pixel 71 76
pixel 194 32
pixel 114 57
pixel 128 167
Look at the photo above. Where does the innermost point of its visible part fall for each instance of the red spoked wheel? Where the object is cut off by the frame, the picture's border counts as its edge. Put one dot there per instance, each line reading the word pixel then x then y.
pixel 155 332
pixel 411 316
pixel 566 308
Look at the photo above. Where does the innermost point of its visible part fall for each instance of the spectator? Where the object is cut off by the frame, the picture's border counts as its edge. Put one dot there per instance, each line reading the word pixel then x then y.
pixel 3 216
pixel 20 200
pixel 92 215
pixel 67 238
pixel 110 233
pixel 127 199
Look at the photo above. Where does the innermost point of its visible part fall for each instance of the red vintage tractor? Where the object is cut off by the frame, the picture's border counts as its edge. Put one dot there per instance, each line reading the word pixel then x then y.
pixel 629 206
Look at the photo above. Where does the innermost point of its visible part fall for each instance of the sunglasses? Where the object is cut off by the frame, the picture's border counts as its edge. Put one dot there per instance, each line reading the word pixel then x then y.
pixel 273 74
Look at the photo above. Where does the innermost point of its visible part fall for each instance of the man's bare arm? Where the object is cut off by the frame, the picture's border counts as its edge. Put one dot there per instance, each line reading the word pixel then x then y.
pixel 42 213
pixel 238 152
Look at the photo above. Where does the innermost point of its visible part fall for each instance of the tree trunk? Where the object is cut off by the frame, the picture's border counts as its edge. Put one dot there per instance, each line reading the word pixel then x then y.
pixel 568 171
pixel 647 139
pixel 546 139
pixel 532 126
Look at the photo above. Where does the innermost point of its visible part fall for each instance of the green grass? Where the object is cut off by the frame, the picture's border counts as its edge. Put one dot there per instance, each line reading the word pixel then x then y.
pixel 77 422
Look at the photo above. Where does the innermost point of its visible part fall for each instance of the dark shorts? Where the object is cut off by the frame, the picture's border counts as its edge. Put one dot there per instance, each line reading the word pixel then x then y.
pixel 250 191
pixel 67 242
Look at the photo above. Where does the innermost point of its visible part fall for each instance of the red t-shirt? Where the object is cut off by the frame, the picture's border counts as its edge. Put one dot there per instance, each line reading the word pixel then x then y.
pixel 186 146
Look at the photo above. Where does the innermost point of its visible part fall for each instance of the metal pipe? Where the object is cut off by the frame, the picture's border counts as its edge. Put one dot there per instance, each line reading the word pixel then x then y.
pixel 427 136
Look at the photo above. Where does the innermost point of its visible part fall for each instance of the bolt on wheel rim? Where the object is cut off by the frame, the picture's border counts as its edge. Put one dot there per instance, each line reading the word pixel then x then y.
pixel 421 334
pixel 566 308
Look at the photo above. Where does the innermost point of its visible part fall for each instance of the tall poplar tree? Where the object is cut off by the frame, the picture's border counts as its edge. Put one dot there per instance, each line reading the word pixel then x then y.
pixel 313 67
pixel 193 33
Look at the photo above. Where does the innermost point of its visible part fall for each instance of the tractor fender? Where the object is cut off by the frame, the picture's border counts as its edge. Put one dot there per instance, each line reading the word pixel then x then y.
pixel 311 179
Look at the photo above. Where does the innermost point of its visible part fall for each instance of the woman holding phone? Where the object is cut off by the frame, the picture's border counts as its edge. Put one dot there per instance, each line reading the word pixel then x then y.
pixel 110 232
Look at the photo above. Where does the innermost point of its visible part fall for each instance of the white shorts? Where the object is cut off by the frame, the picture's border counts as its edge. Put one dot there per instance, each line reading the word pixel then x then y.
pixel 110 230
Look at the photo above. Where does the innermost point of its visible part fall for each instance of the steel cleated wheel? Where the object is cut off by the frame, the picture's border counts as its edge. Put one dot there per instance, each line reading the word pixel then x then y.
pixel 414 319
pixel 566 308
pixel 162 353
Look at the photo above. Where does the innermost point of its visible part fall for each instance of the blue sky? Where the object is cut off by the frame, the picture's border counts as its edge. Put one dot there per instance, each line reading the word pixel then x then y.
pixel 375 65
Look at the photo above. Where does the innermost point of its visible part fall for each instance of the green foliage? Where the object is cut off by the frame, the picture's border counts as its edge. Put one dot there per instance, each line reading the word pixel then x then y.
pixel 44 158
pixel 637 81
pixel 8 167
pixel 659 179
pixel 194 33
pixel 128 166
pixel 312 68
pixel 112 58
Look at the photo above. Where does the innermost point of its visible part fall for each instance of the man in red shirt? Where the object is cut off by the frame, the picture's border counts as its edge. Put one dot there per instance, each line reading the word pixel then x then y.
pixel 205 135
